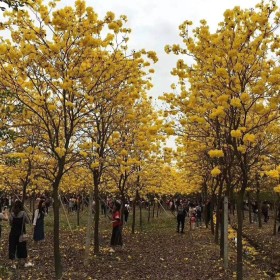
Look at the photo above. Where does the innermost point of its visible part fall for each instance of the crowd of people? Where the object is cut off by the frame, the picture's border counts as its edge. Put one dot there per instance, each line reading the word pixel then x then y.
pixel 12 210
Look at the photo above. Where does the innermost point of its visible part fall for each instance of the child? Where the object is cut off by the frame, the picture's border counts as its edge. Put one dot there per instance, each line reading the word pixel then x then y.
pixel 192 222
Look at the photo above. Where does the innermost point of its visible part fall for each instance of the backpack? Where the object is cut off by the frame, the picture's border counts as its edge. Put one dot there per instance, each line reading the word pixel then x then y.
pixel 180 210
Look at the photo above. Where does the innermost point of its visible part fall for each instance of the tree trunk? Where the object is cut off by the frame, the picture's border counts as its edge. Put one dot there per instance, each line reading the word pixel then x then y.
pixel 97 212
pixel 259 208
pixel 24 187
pixel 218 216
pixel 134 213
pixel 222 233
pixel 78 214
pixel 149 212
pixel 225 232
pixel 140 215
pixel 154 205
pixel 250 208
pixel 57 256
pixel 211 216
pixel 276 206
pixel 240 197
pixel 89 226
pixel 158 208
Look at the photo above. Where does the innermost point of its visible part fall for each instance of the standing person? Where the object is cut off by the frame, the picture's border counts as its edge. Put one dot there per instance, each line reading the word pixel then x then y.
pixel 192 221
pixel 265 211
pixel 3 217
pixel 18 220
pixel 126 212
pixel 255 211
pixel 181 215
pixel 116 239
pixel 198 213
pixel 38 222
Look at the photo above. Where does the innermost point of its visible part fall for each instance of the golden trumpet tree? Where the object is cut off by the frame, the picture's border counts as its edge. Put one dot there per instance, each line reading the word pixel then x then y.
pixel 233 90
pixel 134 143
pixel 57 63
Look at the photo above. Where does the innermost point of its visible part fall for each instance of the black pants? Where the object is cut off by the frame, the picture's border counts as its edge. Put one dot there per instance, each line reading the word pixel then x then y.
pixel 180 223
pixel 16 249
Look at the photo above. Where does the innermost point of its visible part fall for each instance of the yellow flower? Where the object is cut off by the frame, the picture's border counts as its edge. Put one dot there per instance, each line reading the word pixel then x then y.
pixel 236 133
pixel 244 97
pixel 222 72
pixel 216 153
pixel 249 138
pixel 84 154
pixel 235 102
pixel 94 165
pixel 215 172
pixel 242 149
pixel 60 151
pixel 217 112
pixel 273 174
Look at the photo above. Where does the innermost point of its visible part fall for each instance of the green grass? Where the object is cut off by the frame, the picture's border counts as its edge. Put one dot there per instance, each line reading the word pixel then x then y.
pixel 165 220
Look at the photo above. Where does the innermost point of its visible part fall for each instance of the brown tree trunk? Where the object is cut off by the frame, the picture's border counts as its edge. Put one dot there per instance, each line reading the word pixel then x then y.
pixel 134 213
pixel 149 212
pixel 97 212
pixel 140 215
pixel 211 216
pixel 250 207
pixel 222 232
pixel 259 208
pixel 78 214
pixel 89 225
pixel 240 198
pixel 276 207
pixel 56 239
pixel 218 215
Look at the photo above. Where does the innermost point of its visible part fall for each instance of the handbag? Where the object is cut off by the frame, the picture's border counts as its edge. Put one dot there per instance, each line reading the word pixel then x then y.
pixel 23 236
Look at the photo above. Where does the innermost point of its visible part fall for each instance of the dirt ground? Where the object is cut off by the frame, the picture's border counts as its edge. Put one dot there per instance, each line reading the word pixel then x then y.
pixel 156 253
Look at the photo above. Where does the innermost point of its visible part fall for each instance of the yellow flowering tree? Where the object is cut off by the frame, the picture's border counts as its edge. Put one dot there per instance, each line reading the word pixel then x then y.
pixel 234 89
pixel 57 63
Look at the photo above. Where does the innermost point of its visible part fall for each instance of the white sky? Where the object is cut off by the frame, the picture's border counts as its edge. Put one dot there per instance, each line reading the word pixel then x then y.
pixel 154 24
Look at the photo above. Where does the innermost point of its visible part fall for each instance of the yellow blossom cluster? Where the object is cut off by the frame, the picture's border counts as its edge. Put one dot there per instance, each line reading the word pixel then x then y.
pixel 216 153
pixel 215 172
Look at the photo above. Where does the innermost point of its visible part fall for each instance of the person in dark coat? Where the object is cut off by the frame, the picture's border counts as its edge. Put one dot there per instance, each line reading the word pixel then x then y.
pixel 181 215
pixel 18 220
pixel 38 222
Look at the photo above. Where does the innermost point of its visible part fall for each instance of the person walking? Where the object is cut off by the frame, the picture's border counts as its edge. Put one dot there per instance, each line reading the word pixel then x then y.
pixel 17 245
pixel 38 222
pixel 181 215
pixel 126 212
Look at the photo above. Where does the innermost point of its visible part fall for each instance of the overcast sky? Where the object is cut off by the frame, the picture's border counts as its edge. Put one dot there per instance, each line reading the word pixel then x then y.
pixel 154 24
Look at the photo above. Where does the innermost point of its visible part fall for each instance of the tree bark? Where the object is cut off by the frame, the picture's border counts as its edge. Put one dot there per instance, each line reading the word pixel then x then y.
pixel 240 197
pixel 222 233
pixel 149 212
pixel 140 214
pixel 259 207
pixel 250 207
pixel 56 238
pixel 97 212
pixel 89 226
pixel 134 213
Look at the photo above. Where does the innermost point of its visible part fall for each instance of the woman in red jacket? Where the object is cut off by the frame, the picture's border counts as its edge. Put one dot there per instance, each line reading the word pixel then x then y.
pixel 116 238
